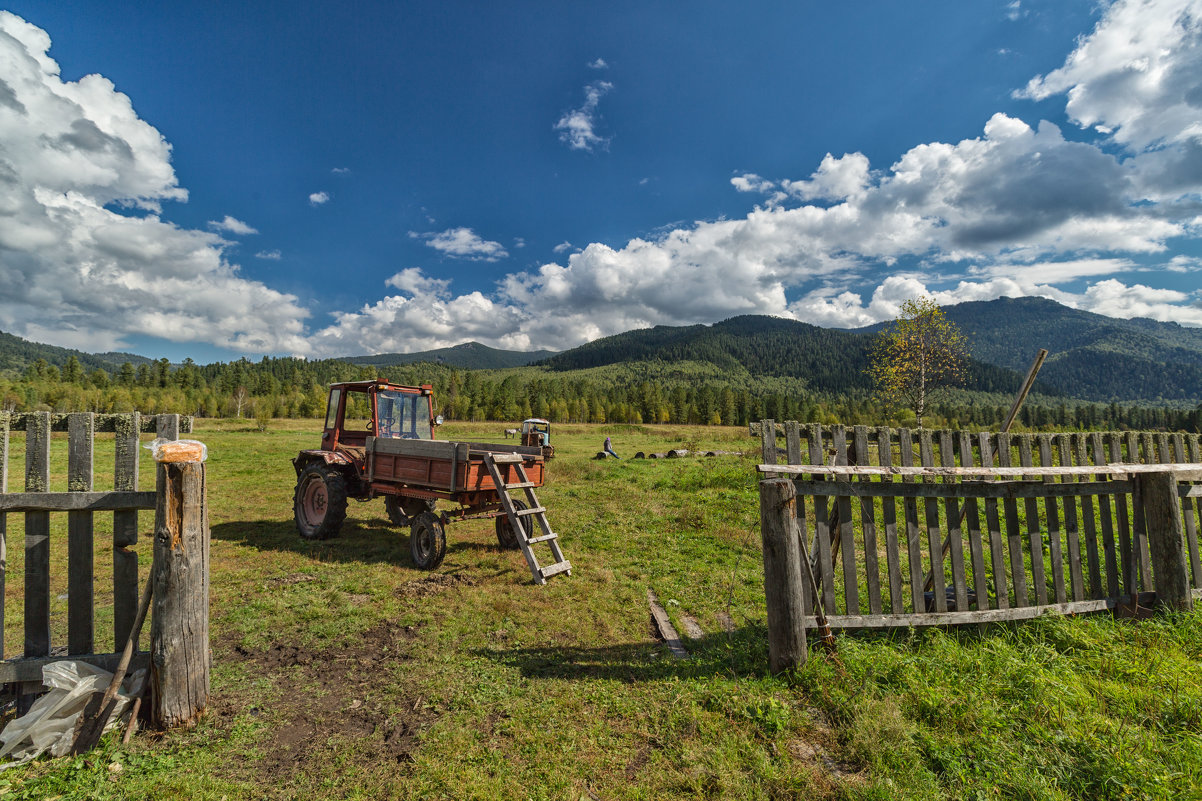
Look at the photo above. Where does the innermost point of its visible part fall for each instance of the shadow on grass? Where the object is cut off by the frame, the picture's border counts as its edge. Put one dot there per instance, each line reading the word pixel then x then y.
pixel 740 653
pixel 368 541
pixel 358 542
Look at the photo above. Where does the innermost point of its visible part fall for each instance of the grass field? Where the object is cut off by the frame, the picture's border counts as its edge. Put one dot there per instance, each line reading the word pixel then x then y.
pixel 340 671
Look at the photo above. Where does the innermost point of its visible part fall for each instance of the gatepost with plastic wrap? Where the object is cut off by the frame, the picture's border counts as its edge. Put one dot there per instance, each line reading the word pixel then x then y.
pixel 175 684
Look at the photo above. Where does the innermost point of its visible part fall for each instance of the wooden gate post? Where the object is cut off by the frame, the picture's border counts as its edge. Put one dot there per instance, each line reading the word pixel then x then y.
pixel 179 632
pixel 1166 535
pixel 784 585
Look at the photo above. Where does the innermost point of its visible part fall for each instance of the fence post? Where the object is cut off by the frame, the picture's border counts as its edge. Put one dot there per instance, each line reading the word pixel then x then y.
pixel 1166 535
pixel 784 587
pixel 179 633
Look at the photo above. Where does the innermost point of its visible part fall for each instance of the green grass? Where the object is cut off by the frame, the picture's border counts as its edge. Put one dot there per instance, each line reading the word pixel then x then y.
pixel 341 671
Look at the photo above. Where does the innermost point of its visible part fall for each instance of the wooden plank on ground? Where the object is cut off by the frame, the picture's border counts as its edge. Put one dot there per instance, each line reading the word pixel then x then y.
pixel 80 547
pixel 660 617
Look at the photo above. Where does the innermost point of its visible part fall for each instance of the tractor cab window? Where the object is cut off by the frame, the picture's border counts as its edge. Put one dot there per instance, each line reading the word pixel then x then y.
pixel 332 409
pixel 357 417
pixel 403 415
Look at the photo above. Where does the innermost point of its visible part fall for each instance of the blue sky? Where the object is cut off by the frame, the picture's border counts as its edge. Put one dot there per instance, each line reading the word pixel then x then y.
pixel 223 179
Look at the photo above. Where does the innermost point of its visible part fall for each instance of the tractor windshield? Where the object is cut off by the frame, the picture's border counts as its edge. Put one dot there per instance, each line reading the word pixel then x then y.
pixel 403 415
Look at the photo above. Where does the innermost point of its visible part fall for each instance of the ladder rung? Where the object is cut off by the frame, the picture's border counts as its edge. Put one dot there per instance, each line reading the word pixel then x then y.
pixel 506 458
pixel 558 567
pixel 533 510
pixel 521 485
pixel 543 538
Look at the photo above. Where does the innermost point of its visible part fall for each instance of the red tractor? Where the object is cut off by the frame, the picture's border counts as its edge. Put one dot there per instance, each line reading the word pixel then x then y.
pixel 378 442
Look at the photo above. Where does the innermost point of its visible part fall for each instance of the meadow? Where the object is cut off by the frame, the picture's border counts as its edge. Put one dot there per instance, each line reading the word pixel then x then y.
pixel 340 671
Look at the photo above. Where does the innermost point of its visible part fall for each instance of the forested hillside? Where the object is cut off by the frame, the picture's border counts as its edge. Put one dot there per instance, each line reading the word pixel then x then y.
pixel 469 355
pixel 826 359
pixel 1090 356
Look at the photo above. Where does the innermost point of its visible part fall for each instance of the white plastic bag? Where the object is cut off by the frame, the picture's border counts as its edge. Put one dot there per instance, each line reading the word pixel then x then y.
pixel 50 723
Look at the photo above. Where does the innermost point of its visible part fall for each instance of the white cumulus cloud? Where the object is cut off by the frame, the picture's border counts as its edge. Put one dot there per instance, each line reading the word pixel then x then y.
pixel 78 273
pixel 232 226
pixel 577 127
pixel 319 198
pixel 463 243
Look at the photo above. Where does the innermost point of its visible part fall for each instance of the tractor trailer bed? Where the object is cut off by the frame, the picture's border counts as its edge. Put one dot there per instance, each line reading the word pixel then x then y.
pixel 443 468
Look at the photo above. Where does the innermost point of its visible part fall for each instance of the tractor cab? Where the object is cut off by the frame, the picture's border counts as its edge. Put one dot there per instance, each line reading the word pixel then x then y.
pixel 361 409
pixel 536 432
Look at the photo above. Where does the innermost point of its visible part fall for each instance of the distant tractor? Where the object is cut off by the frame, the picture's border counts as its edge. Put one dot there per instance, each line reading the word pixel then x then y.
pixel 536 433
pixel 378 442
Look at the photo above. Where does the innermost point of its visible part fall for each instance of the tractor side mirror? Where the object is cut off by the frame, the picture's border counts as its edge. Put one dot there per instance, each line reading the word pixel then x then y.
pixel 438 420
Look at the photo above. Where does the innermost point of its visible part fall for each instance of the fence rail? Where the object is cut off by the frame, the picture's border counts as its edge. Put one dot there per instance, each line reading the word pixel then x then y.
pixel 907 528
pixel 80 502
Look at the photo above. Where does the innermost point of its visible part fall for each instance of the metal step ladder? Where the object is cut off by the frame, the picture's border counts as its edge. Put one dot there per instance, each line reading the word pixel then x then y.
pixel 534 509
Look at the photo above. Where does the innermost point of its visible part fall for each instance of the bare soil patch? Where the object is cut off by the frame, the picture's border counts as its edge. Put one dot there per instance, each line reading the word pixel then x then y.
pixel 434 583
pixel 331 703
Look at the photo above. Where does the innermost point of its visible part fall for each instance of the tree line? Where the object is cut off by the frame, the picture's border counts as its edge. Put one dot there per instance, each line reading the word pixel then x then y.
pixel 650 392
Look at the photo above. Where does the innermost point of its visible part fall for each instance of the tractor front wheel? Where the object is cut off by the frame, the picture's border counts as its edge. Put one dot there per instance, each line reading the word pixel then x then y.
pixel 506 536
pixel 427 541
pixel 319 503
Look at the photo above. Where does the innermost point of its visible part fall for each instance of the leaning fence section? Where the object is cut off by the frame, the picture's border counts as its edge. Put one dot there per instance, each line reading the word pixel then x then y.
pixel 928 527
pixel 81 502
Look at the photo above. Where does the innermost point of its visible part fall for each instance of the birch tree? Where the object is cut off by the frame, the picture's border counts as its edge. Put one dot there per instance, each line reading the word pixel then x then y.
pixel 918 358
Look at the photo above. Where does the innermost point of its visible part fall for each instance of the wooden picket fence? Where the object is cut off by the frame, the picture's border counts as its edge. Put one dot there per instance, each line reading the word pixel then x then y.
pixel 907 528
pixel 81 502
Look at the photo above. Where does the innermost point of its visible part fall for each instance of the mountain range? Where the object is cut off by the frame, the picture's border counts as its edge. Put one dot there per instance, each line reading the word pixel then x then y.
pixel 1091 356
pixel 469 356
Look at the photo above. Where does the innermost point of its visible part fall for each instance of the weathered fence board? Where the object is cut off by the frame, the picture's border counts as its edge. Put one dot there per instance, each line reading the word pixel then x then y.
pixel 125 528
pixel 80 570
pixel 37 538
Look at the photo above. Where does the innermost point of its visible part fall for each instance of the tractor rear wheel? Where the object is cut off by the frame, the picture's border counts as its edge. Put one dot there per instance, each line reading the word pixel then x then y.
pixel 427 541
pixel 506 537
pixel 401 511
pixel 319 503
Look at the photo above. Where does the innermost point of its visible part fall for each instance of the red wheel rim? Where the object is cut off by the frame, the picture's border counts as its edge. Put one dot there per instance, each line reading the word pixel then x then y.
pixel 313 501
